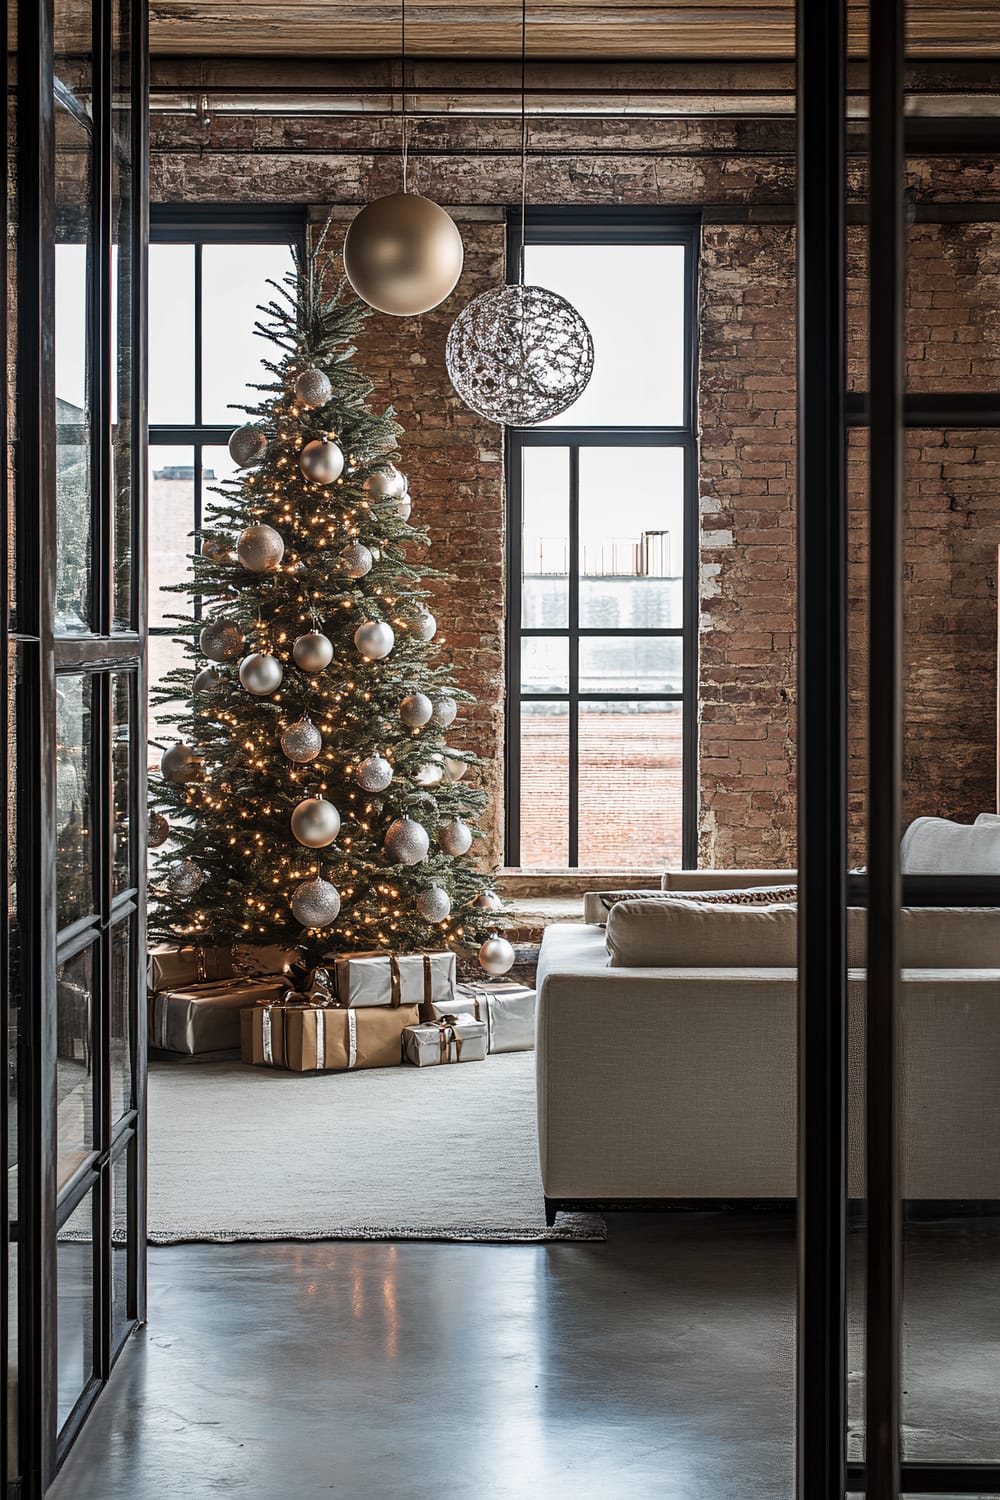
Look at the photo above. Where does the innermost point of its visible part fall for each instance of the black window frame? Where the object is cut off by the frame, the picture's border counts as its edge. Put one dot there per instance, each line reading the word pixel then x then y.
pixel 597 226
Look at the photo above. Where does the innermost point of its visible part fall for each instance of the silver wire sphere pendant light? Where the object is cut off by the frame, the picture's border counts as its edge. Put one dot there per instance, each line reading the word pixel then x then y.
pixel 520 354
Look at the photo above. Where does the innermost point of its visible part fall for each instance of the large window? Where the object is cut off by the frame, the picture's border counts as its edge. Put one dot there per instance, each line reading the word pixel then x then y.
pixel 601 641
pixel 208 274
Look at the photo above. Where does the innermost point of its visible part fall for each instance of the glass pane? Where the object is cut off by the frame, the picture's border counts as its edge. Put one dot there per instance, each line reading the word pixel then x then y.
pixel 631 537
pixel 544 785
pixel 630 784
pixel 216 468
pixel 121 1172
pixel 234 284
pixel 171 334
pixel 75 1306
pixel 544 664
pixel 122 251
pixel 545 538
pixel 121 750
pixel 171 524
pixel 164 655
pixel 632 299
pixel 631 664
pixel 121 1062
pixel 74 869
pixel 74 1062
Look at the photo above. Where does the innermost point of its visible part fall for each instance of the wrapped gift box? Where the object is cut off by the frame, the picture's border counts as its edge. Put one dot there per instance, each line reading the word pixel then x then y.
pixel 307 1039
pixel 206 1017
pixel 369 979
pixel 450 1039
pixel 171 966
pixel 508 1010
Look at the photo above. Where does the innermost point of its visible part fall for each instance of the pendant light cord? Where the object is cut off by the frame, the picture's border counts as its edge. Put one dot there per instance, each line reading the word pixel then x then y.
pixel 524 123
pixel 402 81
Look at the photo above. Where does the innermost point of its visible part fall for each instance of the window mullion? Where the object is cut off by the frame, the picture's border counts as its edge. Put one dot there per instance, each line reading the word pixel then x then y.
pixel 573 562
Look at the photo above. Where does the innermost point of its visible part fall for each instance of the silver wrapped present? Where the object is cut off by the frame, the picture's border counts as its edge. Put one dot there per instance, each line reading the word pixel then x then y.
pixel 507 1008
pixel 206 1018
pixel 451 1039
pixel 394 979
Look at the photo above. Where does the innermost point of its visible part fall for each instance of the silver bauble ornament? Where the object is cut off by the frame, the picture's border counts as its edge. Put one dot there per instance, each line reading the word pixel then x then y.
pixel 519 355
pixel 356 560
pixel 312 652
pixel 424 626
pixel 178 764
pixel 315 903
pixel 313 388
pixel 260 549
pixel 302 741
pixel 430 774
pixel 406 842
pixel 403 254
pixel 454 769
pixel 374 639
pixel 158 830
pixel 216 549
pixel 487 901
pixel 374 773
pixel 247 446
pixel 496 955
pixel 322 461
pixel 261 674
pixel 434 904
pixel 221 640
pixel 206 680
pixel 385 484
pixel 315 822
pixel 184 878
pixel 455 837
pixel 404 507
pixel 416 710
pixel 445 709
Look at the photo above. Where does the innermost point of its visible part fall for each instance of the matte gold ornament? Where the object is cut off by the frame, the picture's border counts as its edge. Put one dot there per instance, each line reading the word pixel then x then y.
pixel 302 741
pixel 247 446
pixel 374 773
pixel 206 680
pixel 179 764
pixel 404 507
pixel 455 838
pixel 403 254
pixel 315 822
pixel 184 878
pixel 487 901
pixel 313 388
pixel 454 769
pixel 315 903
pixel 386 483
pixel 434 904
pixel 416 710
pixel 261 674
pixel 429 775
pixel 406 841
pixel 444 710
pixel 374 639
pixel 312 652
pixel 216 549
pixel 158 830
pixel 356 560
pixel 425 625
pixel 322 461
pixel 221 640
pixel 260 549
pixel 496 955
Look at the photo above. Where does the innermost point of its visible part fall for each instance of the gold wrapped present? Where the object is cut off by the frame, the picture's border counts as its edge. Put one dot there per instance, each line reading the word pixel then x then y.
pixel 312 1038
pixel 262 1035
pixel 171 966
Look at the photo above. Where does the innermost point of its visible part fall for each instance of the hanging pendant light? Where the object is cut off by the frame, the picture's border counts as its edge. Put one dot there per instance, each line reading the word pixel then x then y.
pixel 520 354
pixel 403 254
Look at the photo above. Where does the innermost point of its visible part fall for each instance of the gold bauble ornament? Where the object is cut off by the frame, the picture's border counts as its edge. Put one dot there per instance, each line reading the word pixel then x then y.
pixel 179 764
pixel 313 651
pixel 403 254
pixel 322 461
pixel 315 822
pixel 261 673
pixel 260 549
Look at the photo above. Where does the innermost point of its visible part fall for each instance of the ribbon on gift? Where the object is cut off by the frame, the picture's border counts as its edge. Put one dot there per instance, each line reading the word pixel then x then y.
pixel 448 1032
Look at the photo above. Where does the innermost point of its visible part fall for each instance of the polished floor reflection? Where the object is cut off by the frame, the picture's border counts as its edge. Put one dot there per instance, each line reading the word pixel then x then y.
pixel 659 1364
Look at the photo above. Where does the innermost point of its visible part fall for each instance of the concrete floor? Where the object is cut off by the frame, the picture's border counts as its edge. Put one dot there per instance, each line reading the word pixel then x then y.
pixel 659 1364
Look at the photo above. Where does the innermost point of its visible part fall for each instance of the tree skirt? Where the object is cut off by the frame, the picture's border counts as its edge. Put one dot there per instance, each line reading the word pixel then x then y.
pixel 446 1153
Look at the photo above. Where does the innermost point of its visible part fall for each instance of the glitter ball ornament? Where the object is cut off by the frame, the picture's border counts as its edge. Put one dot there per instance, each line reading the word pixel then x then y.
pixel 247 446
pixel 403 254
pixel 302 741
pixel 454 769
pixel 519 355
pixel 184 878
pixel 455 837
pixel 487 901
pixel 404 507
pixel 496 955
pixel 206 680
pixel 315 903
pixel 260 549
pixel 322 461
pixel 216 549
pixel 356 560
pixel 429 774
pixel 386 484
pixel 315 822
pixel 221 640
pixel 179 764
pixel 374 773
pixel 424 626
pixel 158 830
pixel 374 639
pixel 434 904
pixel 406 841
pixel 444 710
pixel 313 388
pixel 312 652
pixel 260 674
pixel 416 710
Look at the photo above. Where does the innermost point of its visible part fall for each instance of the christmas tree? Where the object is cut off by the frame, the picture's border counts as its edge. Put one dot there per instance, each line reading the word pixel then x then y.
pixel 319 794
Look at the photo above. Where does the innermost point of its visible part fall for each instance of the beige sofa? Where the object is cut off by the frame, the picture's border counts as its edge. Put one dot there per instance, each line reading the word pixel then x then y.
pixel 663 1081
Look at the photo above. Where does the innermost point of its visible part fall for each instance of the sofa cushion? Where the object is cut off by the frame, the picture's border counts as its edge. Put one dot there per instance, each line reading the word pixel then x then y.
pixel 768 896
pixel 678 933
pixel 937 846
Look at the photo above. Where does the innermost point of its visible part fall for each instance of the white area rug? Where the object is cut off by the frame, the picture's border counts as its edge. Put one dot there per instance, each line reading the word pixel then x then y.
pixel 242 1153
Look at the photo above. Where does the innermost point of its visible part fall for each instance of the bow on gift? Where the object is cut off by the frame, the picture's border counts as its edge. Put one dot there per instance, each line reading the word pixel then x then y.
pixel 315 988
pixel 448 1032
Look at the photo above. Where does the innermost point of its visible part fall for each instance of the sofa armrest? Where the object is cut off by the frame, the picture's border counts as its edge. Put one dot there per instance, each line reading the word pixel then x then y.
pixel 724 880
